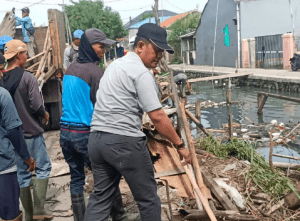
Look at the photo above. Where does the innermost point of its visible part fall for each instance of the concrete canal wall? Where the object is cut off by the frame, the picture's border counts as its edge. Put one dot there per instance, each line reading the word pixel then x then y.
pixel 281 80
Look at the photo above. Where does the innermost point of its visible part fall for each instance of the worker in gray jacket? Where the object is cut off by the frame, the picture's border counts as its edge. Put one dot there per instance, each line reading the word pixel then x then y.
pixel 28 100
pixel 11 143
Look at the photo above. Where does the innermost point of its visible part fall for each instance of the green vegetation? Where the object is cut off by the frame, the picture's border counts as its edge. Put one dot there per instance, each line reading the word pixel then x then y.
pixel 145 16
pixel 274 184
pixel 180 27
pixel 92 14
pixel 176 61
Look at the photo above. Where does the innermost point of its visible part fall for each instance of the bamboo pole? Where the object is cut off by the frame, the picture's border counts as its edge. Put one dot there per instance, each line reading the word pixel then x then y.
pixel 198 192
pixel 40 54
pixel 37 75
pixel 292 131
pixel 195 162
pixel 182 132
pixel 288 157
pixel 46 40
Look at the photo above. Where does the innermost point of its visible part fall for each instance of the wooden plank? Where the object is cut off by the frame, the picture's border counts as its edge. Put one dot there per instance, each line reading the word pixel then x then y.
pixel 172 172
pixel 218 192
pixel 60 64
pixel 218 77
pixel 53 43
pixel 170 160
pixel 294 99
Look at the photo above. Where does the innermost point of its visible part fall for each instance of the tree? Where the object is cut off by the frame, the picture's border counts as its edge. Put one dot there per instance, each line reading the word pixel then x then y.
pixel 92 14
pixel 180 27
pixel 145 16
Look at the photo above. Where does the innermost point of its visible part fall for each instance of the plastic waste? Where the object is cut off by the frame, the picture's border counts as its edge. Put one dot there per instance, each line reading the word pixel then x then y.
pixel 244 130
pixel 233 193
pixel 274 122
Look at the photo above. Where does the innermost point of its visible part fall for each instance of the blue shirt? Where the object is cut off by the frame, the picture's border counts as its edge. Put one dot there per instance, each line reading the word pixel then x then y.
pixel 9 119
pixel 25 23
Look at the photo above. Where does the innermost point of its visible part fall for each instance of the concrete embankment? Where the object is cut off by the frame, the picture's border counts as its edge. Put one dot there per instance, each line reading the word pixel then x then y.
pixel 279 79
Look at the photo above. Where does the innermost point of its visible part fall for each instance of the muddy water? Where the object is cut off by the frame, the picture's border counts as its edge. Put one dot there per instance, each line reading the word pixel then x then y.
pixel 281 110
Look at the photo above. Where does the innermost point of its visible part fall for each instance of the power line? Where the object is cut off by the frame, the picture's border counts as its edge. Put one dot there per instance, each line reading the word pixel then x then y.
pixel 37 3
pixel 175 6
pixel 133 9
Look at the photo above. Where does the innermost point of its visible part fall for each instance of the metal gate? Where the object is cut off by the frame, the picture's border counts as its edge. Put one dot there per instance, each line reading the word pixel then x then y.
pixel 269 52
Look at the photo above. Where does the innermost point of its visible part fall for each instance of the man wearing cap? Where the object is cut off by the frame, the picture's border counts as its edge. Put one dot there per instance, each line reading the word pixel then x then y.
pixel 71 53
pixel 11 141
pixel 27 27
pixel 117 146
pixel 28 100
pixel 80 84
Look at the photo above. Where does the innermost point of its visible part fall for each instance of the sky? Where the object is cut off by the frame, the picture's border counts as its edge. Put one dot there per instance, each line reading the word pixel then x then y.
pixel 126 8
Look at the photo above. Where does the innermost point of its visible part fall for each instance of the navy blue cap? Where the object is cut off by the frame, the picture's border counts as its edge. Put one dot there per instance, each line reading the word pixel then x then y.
pixel 156 35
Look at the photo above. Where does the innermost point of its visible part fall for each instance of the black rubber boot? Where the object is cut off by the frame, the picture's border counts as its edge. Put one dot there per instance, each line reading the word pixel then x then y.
pixel 78 205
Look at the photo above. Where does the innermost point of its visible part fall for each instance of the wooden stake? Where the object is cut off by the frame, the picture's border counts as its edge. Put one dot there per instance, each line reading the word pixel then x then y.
pixel 230 121
pixel 193 118
pixel 198 192
pixel 195 163
pixel 198 113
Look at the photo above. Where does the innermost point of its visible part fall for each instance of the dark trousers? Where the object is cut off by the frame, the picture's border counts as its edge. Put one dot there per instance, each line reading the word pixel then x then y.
pixel 9 196
pixel 113 156
pixel 73 141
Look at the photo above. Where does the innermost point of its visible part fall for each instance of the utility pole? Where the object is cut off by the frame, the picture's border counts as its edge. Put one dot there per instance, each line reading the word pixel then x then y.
pixel 162 11
pixel 155 12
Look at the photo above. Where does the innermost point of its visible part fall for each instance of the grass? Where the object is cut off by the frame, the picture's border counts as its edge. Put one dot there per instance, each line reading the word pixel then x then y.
pixel 274 184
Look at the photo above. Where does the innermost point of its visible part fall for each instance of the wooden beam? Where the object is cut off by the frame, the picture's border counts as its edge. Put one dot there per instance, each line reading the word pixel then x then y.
pixel 218 77
pixel 176 171
pixel 294 99
pixel 218 192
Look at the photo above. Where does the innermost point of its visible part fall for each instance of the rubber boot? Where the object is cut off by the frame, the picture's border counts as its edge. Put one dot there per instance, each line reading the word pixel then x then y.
pixel 26 199
pixel 19 218
pixel 78 205
pixel 39 197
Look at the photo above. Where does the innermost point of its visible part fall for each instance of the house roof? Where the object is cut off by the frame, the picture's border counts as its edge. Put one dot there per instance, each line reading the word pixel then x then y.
pixel 152 20
pixel 167 23
pixel 137 18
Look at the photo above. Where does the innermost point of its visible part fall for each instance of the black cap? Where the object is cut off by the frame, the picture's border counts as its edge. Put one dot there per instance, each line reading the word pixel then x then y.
pixel 2 59
pixel 95 35
pixel 25 10
pixel 156 35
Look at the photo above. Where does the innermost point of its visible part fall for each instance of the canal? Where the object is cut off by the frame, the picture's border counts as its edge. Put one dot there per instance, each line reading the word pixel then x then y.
pixel 281 110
